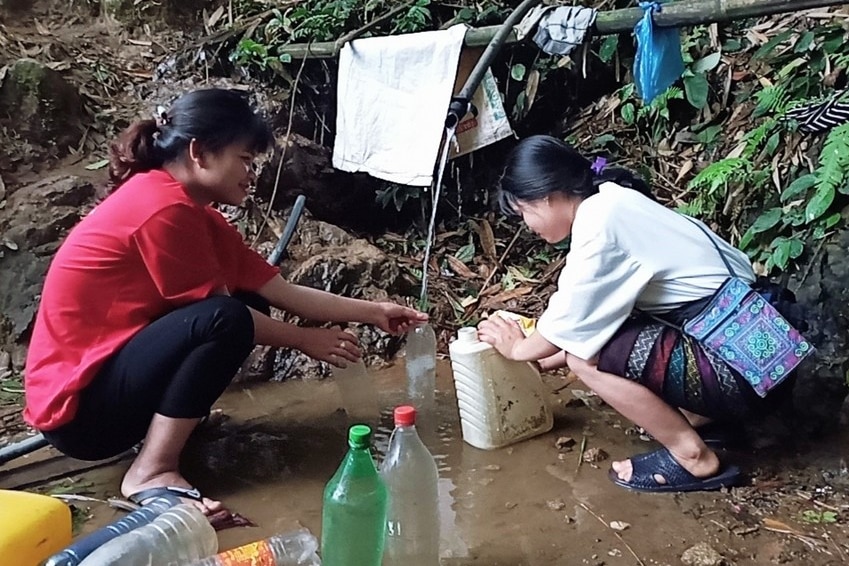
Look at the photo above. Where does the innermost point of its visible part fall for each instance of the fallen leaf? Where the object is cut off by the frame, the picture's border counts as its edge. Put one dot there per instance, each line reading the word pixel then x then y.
pixel 216 15
pixel 506 296
pixel 460 268
pixel 97 165
pixel 778 526
pixel 685 168
pixel 487 238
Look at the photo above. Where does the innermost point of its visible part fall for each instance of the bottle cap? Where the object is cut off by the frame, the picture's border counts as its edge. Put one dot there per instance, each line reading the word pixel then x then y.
pixel 405 415
pixel 467 334
pixel 359 436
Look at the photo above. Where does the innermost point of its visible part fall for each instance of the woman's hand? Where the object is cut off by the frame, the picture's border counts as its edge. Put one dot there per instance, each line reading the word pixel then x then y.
pixel 503 334
pixel 331 345
pixel 396 319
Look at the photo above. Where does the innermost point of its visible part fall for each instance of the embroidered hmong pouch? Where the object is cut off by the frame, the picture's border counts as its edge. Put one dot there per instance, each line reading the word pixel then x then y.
pixel 742 328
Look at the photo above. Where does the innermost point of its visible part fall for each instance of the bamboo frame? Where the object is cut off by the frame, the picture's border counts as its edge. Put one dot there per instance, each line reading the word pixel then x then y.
pixel 675 14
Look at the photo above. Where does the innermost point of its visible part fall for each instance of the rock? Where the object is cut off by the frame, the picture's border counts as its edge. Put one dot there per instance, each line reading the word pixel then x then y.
pixel 564 442
pixel 132 13
pixel 326 257
pixel 35 219
pixel 703 554
pixel 340 198
pixel 38 105
pixel 593 455
pixel 821 385
pixel 555 504
pixel 14 5
pixel 619 525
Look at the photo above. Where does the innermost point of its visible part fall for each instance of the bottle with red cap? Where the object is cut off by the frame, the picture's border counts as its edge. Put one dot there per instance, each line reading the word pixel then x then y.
pixel 412 517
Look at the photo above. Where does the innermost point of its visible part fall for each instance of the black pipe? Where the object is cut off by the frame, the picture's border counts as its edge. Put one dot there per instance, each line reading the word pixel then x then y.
pixel 279 251
pixel 461 104
pixel 22 448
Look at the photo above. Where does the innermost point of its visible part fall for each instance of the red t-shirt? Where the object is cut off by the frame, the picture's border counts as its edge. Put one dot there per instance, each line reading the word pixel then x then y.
pixel 144 251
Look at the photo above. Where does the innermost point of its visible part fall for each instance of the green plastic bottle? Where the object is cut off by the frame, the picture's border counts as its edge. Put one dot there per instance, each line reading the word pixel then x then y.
pixel 353 521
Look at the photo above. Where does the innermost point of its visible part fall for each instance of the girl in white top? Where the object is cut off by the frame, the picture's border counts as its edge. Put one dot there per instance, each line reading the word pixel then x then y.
pixel 631 261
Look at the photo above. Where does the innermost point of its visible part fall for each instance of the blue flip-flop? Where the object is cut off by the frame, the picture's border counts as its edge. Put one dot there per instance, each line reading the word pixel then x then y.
pixel 646 466
pixel 170 491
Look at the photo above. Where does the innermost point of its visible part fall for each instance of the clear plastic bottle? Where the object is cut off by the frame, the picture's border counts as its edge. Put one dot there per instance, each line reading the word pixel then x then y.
pixel 421 367
pixel 78 551
pixel 411 477
pixel 297 548
pixel 353 520
pixel 179 535
pixel 359 395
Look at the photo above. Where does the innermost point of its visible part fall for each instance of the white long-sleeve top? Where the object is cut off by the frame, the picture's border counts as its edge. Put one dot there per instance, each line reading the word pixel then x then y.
pixel 629 252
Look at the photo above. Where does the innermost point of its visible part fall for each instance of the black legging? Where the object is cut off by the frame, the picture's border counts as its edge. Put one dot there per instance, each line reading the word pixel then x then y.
pixel 177 366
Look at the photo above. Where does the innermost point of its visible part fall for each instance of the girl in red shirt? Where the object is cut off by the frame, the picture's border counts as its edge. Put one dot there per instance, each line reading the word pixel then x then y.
pixel 153 301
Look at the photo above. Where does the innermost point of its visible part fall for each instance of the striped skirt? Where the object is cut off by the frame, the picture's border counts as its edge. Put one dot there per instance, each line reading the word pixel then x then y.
pixel 678 370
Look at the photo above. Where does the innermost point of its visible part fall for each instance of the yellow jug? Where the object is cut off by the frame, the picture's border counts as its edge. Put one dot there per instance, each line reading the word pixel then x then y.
pixel 32 527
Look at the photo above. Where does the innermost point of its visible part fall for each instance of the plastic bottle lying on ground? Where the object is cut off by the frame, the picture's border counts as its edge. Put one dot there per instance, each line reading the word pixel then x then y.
pixel 181 534
pixel 297 548
pixel 78 551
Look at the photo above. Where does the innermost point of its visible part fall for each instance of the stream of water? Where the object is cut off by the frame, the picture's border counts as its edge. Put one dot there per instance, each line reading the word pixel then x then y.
pixel 437 188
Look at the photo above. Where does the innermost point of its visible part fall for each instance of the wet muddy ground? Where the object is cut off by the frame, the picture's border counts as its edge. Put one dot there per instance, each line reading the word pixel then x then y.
pixel 526 505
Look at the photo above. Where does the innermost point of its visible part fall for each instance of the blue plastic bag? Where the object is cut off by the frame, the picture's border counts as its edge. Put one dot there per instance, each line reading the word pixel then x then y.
pixel 658 63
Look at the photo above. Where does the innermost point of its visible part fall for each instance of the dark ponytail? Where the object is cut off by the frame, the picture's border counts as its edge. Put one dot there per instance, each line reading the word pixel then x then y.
pixel 215 118
pixel 541 165
pixel 134 151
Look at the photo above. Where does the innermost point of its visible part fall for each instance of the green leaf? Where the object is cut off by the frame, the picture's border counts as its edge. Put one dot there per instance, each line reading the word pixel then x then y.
pixel 767 220
pixel 772 143
pixel 466 253
pixel 781 255
pixel 517 72
pixel 707 64
pixel 709 135
pixel 832 221
pixel 603 140
pixel 100 164
pixel 770 45
pixel 804 42
pixel 798 186
pixel 818 205
pixel 608 48
pixel 732 45
pixel 833 169
pixel 697 89
pixel 747 238
pixel 797 246
pixel 628 113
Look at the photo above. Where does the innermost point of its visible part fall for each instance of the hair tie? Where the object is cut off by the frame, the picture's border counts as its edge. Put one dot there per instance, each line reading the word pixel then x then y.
pixel 598 165
pixel 161 117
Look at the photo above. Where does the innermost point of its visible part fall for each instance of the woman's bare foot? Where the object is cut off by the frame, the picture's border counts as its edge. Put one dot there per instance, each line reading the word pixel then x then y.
pixel 135 481
pixel 703 464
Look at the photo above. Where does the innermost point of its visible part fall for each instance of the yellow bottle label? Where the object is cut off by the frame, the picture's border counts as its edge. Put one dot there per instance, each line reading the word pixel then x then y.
pixel 528 325
pixel 254 554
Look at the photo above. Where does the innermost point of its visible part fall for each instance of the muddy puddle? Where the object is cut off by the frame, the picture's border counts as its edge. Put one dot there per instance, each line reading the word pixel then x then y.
pixel 526 505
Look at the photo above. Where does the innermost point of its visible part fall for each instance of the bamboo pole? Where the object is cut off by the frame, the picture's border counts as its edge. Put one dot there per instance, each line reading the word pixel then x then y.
pixel 674 14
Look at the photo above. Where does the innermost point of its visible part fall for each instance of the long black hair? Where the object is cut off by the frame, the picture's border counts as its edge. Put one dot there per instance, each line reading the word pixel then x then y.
pixel 216 118
pixel 541 165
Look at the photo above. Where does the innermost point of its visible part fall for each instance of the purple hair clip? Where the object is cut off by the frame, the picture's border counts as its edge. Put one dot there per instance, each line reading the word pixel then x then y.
pixel 598 165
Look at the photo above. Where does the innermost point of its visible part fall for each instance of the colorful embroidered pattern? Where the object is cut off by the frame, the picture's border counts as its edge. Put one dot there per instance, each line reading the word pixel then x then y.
pixel 742 328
